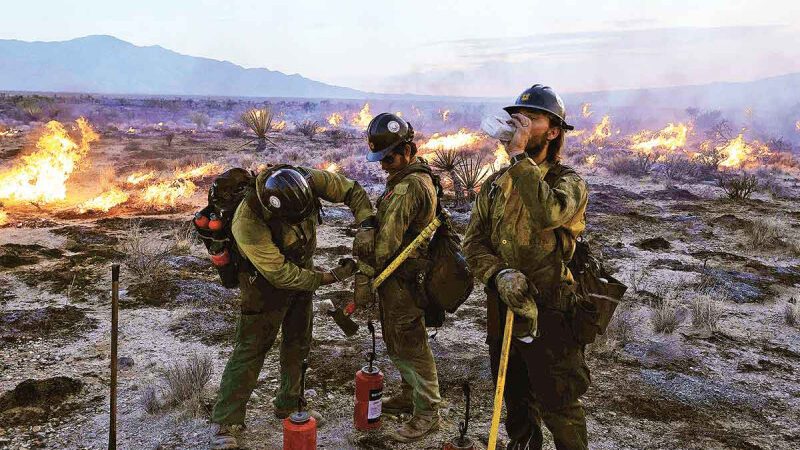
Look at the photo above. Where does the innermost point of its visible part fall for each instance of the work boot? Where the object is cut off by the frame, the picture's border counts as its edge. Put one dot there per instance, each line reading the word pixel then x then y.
pixel 397 404
pixel 420 425
pixel 284 413
pixel 226 437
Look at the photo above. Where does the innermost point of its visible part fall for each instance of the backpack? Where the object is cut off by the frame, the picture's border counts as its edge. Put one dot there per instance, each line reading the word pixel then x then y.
pixel 214 222
pixel 598 292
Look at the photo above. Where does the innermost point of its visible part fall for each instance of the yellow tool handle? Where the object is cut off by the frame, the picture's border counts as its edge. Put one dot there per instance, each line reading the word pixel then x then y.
pixel 422 237
pixel 501 381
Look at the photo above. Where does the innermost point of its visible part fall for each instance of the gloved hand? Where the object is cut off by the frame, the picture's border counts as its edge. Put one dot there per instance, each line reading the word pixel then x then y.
pixel 346 268
pixel 362 291
pixel 513 287
pixel 364 241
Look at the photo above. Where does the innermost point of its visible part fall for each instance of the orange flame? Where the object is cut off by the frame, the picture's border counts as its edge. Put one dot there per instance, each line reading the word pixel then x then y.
pixel 279 126
pixel 332 167
pixel 591 160
pixel 797 125
pixel 201 171
pixel 462 138
pixel 167 193
pixel 738 153
pixel 601 132
pixel 137 178
pixel 104 201
pixel 672 137
pixel 41 177
pixel 363 118
pixel 335 119
pixel 3 217
pixel 585 112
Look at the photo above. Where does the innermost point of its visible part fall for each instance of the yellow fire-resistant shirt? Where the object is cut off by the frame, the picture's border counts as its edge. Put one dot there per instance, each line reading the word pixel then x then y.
pixel 256 242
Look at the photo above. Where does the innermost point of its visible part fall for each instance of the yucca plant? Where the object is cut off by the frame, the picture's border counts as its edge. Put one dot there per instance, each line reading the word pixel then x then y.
pixel 259 121
pixel 308 128
pixel 446 161
pixel 471 171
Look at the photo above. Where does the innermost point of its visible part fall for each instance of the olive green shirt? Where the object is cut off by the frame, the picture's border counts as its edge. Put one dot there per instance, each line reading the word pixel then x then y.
pixel 256 242
pixel 517 229
pixel 404 210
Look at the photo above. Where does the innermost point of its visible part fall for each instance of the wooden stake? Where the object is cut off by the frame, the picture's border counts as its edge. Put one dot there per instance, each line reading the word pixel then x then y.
pixel 112 428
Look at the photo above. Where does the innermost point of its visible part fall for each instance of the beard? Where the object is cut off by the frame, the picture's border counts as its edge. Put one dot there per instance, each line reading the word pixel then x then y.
pixel 535 146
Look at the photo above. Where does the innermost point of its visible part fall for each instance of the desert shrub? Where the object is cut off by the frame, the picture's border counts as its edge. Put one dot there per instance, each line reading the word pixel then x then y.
pixel 201 120
pixel 638 276
pixel 308 128
pixel 30 107
pixel 738 187
pixel 145 256
pixel 635 164
pixel 168 138
pixel 233 132
pixel 183 236
pixel 259 121
pixel 446 161
pixel 664 313
pixel 677 168
pixel 180 384
pixel 765 232
pixel 471 171
pixel 339 136
pixel 791 313
pixel 184 382
pixel 706 312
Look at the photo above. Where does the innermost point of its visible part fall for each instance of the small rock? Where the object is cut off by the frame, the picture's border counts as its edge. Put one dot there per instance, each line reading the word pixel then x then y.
pixel 656 243
pixel 310 393
pixel 125 363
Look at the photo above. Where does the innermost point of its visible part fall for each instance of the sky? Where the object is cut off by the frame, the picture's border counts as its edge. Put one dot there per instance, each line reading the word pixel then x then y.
pixel 445 47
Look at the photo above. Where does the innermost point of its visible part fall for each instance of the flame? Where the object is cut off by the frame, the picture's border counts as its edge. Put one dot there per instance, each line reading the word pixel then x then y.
pixel 501 158
pixel 131 130
pixel 140 177
pixel 737 152
pixel 672 137
pixel 278 126
pixel 363 118
pixel 445 114
pixel 3 217
pixel 335 119
pixel 104 201
pixel 591 160
pixel 797 125
pixel 585 112
pixel 399 114
pixel 41 177
pixel 167 193
pixel 576 133
pixel 332 167
pixel 201 171
pixel 601 132
pixel 462 138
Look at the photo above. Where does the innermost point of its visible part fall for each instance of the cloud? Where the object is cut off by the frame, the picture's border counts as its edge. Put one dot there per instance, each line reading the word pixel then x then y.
pixel 593 61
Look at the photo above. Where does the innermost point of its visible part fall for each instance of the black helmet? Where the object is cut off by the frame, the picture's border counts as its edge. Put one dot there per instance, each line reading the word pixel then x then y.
pixel 287 195
pixel 541 98
pixel 384 133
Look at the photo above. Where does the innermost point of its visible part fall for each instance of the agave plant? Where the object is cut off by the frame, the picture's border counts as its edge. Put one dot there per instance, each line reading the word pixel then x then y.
pixel 447 161
pixel 260 122
pixel 471 171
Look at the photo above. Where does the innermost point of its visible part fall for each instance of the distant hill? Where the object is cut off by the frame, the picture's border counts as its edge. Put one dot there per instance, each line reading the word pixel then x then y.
pixel 107 65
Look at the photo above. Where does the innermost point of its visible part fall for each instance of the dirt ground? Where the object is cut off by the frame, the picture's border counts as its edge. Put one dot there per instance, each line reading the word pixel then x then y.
pixel 732 387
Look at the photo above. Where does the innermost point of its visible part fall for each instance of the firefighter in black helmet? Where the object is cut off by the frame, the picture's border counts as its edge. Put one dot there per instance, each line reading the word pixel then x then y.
pixel 523 229
pixel 405 208
pixel 275 230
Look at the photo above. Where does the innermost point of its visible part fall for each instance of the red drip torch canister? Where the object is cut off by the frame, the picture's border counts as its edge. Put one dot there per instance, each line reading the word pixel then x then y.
pixel 222 258
pixel 214 223
pixel 299 432
pixel 201 221
pixel 369 391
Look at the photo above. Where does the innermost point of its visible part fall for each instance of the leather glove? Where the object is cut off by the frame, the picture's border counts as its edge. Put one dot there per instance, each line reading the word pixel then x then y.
pixel 513 287
pixel 362 291
pixel 364 241
pixel 346 268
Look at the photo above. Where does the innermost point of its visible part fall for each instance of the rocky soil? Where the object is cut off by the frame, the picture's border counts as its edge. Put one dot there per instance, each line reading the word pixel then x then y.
pixel 731 385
